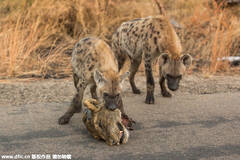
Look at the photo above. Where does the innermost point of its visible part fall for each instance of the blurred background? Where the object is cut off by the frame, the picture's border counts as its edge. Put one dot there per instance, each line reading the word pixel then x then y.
pixel 37 36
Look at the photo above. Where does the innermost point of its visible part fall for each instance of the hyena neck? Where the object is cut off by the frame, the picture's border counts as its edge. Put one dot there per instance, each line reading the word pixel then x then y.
pixel 172 42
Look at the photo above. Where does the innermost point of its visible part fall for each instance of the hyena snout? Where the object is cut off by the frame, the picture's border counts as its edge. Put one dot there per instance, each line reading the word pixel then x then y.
pixel 173 82
pixel 112 106
pixel 111 102
pixel 173 69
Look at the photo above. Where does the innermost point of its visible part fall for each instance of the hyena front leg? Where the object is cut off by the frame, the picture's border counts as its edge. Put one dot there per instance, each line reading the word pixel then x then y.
pixel 133 70
pixel 162 84
pixel 75 80
pixel 150 80
pixel 93 91
pixel 164 91
pixel 76 104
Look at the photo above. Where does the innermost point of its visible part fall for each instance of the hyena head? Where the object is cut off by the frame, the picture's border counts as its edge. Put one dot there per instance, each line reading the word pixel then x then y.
pixel 173 69
pixel 109 87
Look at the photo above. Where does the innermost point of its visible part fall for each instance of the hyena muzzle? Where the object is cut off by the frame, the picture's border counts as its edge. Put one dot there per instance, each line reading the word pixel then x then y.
pixel 94 64
pixel 151 38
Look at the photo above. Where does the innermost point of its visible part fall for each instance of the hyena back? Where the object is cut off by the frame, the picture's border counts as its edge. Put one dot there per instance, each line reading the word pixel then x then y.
pixel 94 64
pixel 150 38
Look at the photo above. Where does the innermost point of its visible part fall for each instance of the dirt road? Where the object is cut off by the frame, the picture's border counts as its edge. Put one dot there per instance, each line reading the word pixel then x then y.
pixel 200 122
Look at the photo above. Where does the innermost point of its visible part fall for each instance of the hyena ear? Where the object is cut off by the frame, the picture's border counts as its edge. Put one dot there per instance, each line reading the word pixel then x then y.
pixel 163 59
pixel 99 78
pixel 187 60
pixel 124 76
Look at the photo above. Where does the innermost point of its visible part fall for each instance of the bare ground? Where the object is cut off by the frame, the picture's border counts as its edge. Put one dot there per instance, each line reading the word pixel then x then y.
pixel 28 91
pixel 200 122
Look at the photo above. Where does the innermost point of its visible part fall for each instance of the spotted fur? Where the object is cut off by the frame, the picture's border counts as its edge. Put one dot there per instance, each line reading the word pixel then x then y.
pixel 148 39
pixel 94 64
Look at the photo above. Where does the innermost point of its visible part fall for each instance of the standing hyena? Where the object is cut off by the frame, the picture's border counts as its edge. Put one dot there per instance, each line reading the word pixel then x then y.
pixel 150 38
pixel 94 64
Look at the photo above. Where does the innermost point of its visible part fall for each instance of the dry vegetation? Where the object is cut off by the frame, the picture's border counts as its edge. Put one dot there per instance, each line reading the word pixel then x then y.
pixel 36 37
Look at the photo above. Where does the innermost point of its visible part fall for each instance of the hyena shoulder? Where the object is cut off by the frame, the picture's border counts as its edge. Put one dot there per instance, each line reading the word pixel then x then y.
pixel 91 53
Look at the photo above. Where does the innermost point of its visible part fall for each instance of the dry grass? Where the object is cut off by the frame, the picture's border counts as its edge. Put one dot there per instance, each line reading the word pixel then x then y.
pixel 36 37
pixel 210 34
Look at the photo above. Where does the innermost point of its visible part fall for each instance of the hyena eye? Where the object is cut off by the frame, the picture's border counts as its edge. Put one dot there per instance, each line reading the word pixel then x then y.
pixel 105 94
pixel 170 76
pixel 174 77
pixel 117 95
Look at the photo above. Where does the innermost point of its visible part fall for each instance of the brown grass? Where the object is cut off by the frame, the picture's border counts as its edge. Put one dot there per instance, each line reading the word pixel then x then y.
pixel 36 37
pixel 210 33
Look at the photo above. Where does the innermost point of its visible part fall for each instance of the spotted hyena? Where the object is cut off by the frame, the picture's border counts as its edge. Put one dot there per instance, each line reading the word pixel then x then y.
pixel 94 64
pixel 151 38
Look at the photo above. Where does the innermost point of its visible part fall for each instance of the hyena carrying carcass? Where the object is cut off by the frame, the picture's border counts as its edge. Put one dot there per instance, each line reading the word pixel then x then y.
pixel 94 64
pixel 150 38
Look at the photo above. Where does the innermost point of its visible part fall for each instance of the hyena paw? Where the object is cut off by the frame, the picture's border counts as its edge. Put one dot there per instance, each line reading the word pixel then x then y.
pixel 128 122
pixel 64 120
pixel 136 91
pixel 149 99
pixel 166 94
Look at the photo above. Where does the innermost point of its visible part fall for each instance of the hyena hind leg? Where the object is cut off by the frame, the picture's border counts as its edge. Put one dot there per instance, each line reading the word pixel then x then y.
pixel 121 58
pixel 133 70
pixel 75 107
